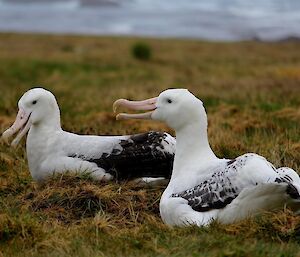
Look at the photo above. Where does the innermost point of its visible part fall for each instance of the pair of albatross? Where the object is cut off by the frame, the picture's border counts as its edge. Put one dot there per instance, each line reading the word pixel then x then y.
pixel 203 187
pixel 146 157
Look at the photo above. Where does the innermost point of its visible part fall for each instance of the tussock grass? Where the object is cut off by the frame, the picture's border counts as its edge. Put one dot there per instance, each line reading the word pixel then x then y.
pixel 251 93
pixel 74 198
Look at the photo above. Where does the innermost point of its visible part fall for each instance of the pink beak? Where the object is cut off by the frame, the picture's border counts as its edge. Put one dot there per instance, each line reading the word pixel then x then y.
pixel 22 122
pixel 146 105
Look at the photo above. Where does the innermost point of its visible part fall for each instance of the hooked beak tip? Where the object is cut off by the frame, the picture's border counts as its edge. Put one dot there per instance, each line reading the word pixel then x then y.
pixel 14 144
pixel 5 135
pixel 118 117
pixel 117 104
pixel 22 123
pixel 115 108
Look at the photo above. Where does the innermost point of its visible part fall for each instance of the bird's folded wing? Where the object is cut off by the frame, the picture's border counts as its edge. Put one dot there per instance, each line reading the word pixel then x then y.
pixel 143 155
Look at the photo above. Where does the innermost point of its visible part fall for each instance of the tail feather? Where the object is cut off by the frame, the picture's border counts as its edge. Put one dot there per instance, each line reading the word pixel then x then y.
pixel 264 197
pixel 292 191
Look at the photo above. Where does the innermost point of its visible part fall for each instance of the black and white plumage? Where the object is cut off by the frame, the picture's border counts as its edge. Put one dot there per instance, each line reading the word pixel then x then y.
pixel 149 155
pixel 52 150
pixel 222 188
pixel 215 192
pixel 203 187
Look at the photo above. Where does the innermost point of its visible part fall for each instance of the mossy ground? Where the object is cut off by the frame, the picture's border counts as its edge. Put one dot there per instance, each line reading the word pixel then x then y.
pixel 251 91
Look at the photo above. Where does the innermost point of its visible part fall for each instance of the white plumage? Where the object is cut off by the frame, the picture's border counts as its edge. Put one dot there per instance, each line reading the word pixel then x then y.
pixel 52 150
pixel 203 187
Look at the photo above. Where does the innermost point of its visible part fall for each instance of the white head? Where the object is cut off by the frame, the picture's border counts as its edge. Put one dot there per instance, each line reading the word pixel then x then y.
pixel 37 106
pixel 176 107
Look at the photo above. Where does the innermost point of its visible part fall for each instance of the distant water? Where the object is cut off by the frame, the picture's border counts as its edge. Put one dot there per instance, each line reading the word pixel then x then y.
pixel 226 20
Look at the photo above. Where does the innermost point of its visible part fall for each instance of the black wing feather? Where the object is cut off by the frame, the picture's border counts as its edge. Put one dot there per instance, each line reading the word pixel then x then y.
pixel 142 155
pixel 214 193
pixel 218 191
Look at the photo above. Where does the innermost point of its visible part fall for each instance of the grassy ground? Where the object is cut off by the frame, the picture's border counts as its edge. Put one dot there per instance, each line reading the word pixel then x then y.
pixel 251 91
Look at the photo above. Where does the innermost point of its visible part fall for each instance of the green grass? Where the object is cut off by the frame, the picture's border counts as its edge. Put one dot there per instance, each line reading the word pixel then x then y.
pixel 251 93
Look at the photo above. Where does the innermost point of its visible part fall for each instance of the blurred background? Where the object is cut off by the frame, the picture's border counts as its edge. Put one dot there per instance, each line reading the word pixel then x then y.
pixel 221 20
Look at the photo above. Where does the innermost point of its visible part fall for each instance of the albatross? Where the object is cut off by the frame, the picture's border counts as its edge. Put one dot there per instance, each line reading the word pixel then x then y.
pixel 148 156
pixel 204 187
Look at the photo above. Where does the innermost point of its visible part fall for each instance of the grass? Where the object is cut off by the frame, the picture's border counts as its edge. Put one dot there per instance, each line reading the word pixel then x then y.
pixel 251 92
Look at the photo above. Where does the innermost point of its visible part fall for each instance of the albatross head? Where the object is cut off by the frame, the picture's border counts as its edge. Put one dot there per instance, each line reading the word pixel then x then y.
pixel 176 107
pixel 36 106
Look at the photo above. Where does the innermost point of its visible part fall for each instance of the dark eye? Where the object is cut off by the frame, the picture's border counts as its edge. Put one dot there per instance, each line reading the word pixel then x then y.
pixel 169 100
pixel 34 102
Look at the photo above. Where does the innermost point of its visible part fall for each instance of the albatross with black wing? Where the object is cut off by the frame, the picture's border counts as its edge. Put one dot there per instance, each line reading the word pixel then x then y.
pixel 50 150
pixel 204 187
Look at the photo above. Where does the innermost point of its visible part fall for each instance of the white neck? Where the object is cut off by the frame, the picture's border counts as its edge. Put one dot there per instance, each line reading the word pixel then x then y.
pixel 41 131
pixel 41 136
pixel 50 122
pixel 192 148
